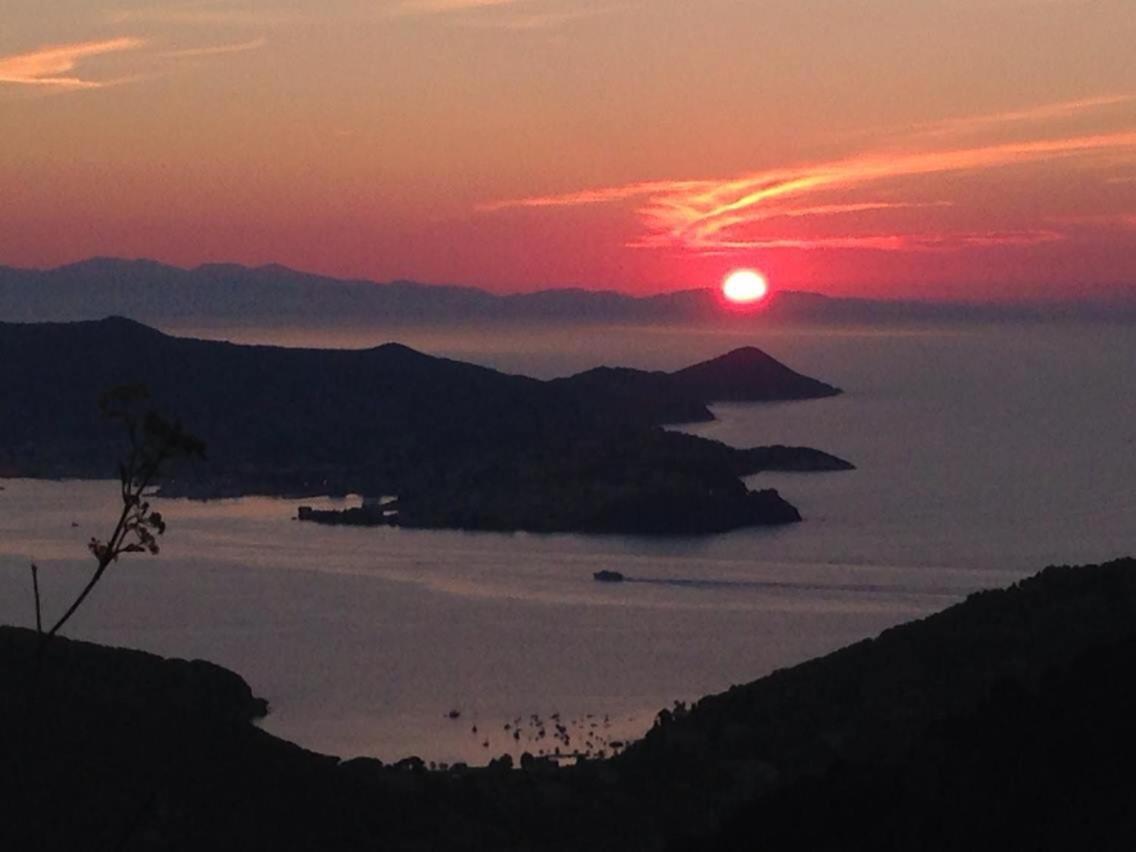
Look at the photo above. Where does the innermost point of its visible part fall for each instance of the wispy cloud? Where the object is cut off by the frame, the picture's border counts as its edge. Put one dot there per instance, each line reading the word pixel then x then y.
pixel 1041 112
pixel 55 67
pixel 433 7
pixel 739 213
pixel 216 50
pixel 520 21
pixel 506 15
pixel 52 66
pixel 1123 221
pixel 209 13
pixel 596 196
pixel 919 242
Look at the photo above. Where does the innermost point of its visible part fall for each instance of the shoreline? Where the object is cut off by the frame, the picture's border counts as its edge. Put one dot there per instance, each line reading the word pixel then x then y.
pixel 777 745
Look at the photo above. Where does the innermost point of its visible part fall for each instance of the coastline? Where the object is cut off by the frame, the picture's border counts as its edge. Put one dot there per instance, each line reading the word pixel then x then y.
pixel 775 739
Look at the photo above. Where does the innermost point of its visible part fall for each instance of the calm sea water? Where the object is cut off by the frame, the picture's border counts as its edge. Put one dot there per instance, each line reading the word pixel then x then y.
pixel 984 454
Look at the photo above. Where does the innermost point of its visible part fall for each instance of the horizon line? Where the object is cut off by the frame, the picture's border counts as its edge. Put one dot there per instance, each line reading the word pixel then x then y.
pixel 1125 299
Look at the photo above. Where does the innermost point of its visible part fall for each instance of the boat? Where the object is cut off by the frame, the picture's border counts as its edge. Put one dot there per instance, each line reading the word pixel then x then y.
pixel 607 577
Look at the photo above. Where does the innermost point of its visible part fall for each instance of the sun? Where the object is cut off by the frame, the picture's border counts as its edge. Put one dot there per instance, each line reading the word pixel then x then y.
pixel 745 287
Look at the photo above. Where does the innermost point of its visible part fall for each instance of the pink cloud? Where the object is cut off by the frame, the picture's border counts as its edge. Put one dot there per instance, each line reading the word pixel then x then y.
pixel 51 66
pixel 706 215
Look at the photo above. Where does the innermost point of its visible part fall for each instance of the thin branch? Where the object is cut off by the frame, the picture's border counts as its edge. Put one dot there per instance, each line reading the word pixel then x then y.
pixel 35 588
pixel 78 601
pixel 113 547
pixel 153 442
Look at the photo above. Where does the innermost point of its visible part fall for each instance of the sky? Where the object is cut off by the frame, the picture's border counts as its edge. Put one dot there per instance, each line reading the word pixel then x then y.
pixel 979 150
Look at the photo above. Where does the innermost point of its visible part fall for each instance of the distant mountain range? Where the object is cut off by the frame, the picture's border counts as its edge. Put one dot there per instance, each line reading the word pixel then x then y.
pixel 461 445
pixel 172 297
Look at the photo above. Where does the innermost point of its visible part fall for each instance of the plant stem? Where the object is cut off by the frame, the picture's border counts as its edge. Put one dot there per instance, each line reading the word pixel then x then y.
pixel 131 494
pixel 104 561
pixel 35 588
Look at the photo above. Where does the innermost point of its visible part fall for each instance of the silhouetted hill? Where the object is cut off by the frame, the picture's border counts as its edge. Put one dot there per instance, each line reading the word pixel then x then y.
pixel 1033 766
pixel 229 294
pixel 875 709
pixel 743 375
pixel 749 375
pixel 461 445
pixel 258 405
pixel 651 397
pixel 112 749
pixel 1002 722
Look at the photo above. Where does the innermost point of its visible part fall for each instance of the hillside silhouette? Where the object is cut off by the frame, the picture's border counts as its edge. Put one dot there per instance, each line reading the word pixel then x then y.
pixel 461 445
pixel 1001 722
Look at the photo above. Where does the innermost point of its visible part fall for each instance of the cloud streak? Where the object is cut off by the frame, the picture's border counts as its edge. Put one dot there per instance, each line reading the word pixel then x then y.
pixel 916 242
pixel 206 14
pixel 715 216
pixel 55 67
pixel 52 66
pixel 434 7
pixel 1042 112
pixel 217 50
pixel 529 21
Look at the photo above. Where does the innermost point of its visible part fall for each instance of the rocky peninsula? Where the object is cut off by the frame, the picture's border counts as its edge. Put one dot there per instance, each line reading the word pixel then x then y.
pixel 462 446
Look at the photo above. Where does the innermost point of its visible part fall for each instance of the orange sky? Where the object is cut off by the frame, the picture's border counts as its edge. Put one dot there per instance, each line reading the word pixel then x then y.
pixel 973 149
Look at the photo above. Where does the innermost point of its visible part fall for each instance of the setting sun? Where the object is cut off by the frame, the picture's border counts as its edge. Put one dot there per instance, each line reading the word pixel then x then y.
pixel 745 286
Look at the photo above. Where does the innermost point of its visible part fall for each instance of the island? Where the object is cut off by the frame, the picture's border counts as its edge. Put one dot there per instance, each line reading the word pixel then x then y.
pixel 462 446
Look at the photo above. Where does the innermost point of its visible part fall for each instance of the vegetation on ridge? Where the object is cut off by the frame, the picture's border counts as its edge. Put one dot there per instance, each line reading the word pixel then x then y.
pixel 462 445
pixel 910 740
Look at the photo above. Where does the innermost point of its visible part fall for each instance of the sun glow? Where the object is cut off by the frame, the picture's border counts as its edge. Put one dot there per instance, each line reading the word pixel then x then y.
pixel 745 286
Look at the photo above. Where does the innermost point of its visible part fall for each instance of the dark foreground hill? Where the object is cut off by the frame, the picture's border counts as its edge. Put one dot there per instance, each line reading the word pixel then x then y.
pixel 1002 722
pixel 461 445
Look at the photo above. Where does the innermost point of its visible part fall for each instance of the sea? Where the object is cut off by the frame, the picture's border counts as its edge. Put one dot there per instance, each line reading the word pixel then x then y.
pixel 983 453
